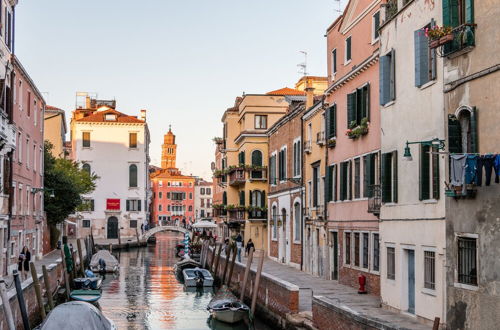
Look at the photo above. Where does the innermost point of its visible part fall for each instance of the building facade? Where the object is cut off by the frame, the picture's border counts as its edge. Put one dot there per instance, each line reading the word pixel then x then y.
pixel 173 193
pixel 203 196
pixel 471 78
pixel 352 128
pixel 412 215
pixel 55 130
pixel 115 147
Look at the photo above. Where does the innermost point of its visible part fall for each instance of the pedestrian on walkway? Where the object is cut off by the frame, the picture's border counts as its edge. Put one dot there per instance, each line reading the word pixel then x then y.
pixel 142 229
pixel 24 262
pixel 239 246
pixel 249 246
pixel 67 255
pixel 184 222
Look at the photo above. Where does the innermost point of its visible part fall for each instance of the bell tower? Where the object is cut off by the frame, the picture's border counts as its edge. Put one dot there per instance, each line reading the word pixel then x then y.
pixel 168 150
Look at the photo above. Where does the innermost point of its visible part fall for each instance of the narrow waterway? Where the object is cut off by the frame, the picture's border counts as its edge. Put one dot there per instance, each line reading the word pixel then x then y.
pixel 147 295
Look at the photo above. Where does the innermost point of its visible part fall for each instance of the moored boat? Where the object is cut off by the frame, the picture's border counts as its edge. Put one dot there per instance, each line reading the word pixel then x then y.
pixel 197 277
pixel 186 263
pixel 93 283
pixel 226 307
pixel 104 261
pixel 89 296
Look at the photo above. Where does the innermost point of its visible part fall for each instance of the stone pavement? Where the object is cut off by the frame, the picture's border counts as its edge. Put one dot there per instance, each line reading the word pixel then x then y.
pixel 344 297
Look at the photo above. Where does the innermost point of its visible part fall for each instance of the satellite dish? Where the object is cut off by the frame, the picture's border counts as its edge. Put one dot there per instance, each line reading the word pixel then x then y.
pixel 212 166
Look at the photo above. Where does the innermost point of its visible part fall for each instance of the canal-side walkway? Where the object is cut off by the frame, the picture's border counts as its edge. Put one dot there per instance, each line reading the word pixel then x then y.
pixel 337 296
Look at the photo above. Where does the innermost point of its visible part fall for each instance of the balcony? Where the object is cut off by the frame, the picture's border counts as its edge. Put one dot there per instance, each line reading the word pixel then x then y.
pixel 237 177
pixel 462 42
pixel 257 215
pixel 237 214
pixel 219 212
pixel 307 147
pixel 177 213
pixel 391 9
pixel 320 138
pixel 258 174
pixel 374 199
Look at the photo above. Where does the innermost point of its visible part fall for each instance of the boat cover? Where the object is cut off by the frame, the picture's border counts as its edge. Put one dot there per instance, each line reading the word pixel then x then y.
pixel 111 261
pixel 223 297
pixel 75 315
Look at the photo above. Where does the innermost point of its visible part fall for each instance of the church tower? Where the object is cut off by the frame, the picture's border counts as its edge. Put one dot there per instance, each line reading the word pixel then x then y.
pixel 168 150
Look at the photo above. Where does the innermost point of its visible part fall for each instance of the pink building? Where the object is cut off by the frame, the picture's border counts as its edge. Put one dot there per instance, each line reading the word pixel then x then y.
pixel 27 222
pixel 353 132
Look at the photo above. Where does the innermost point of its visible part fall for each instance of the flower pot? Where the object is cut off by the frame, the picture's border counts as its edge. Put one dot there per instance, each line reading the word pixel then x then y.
pixel 446 38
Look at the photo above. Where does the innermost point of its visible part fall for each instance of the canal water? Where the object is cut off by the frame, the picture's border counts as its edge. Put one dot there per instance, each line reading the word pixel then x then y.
pixel 147 295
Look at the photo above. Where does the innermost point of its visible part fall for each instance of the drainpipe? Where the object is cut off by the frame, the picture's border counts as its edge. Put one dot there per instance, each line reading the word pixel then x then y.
pixel 302 189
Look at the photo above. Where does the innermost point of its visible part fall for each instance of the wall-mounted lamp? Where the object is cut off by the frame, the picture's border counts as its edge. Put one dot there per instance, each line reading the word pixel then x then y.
pixel 437 143
pixel 51 191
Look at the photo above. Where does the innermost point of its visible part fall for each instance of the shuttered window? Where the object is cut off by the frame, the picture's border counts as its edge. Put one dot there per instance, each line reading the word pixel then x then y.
pixel 347 251
pixel 358 106
pixel 458 12
pixel 132 174
pixel 132 140
pixel 272 169
pixel 242 198
pixel 348 49
pixel 282 165
pixel 454 135
pixel 334 61
pixel 390 177
pixel 357 178
pixel 241 157
pixel 86 139
pixel 344 176
pixel 387 78
pixel 315 186
pixel 435 173
pixel 331 122
pixel 369 168
pixel 424 182
pixel 330 183
pixel 425 58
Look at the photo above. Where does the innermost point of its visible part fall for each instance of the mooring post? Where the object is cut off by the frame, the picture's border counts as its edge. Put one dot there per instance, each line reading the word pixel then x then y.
pixel 38 290
pixel 65 274
pixel 257 282
pixel 216 269
pixel 137 235
pixel 435 326
pixel 119 236
pixel 6 305
pixel 227 253
pixel 247 270
pixel 20 299
pixel 213 257
pixel 48 289
pixel 80 255
pixel 74 263
pixel 233 261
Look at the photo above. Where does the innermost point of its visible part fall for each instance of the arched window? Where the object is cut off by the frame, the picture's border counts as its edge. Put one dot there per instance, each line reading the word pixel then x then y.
pixel 86 168
pixel 132 175
pixel 462 131
pixel 275 221
pixel 283 219
pixel 190 208
pixel 296 223
pixel 256 158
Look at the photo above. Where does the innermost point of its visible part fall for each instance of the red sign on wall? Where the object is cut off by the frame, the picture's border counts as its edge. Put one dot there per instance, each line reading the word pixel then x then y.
pixel 113 204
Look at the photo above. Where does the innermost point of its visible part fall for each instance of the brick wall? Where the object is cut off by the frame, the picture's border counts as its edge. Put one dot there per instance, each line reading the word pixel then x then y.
pixel 273 248
pixel 296 251
pixel 328 316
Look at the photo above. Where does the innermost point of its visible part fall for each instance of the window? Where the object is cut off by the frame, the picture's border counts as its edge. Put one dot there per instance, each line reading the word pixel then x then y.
pixel 345 180
pixel 260 121
pixel 272 169
pixel 160 207
pixel 160 183
pixel 133 223
pixel 358 106
pixel 208 191
pixel 178 196
pixel 86 139
pixel 190 208
pixel 27 153
pixel 34 157
pixel 376 252
pixel 348 45
pixel 347 252
pixel 168 207
pixel 315 187
pixel 132 176
pixel 190 195
pixel 357 178
pixel 202 191
pixel 168 195
pixel 20 149
pixel 241 157
pixel 202 213
pixel 331 122
pixel 429 173
pixel 369 167
pixel 356 249
pixel 110 117
pixel 331 179
pixel 282 164
pixel 430 270
pixel 132 140
pixel 86 168
pixel 387 77
pixel 467 261
pixel 459 13
pixel 390 177
pixel 242 198
pixel 376 25
pixel 425 58
pixel 275 222
pixel 366 246
pixel 28 109
pixel 391 263
pixel 160 195
pixel 462 131
pixel 168 183
pixel 133 205
pixel 87 204
pixel 297 163
pixel 85 223
pixel 297 222
pixel 334 61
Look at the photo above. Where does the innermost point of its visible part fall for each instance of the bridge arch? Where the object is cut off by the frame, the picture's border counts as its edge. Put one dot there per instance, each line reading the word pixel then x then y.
pixel 159 229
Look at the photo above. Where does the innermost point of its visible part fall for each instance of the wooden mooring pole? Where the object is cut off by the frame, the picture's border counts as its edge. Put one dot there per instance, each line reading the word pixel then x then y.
pixel 20 300
pixel 257 282
pixel 227 253
pixel 216 268
pixel 48 289
pixel 233 261
pixel 80 255
pixel 6 306
pixel 65 273
pixel 213 257
pixel 38 290
pixel 247 270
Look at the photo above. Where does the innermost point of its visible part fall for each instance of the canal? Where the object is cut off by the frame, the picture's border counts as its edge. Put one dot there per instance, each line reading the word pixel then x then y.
pixel 147 295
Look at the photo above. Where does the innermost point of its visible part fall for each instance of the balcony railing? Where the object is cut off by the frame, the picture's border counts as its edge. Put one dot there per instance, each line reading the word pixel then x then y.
pixel 463 40
pixel 307 147
pixel 258 174
pixel 374 199
pixel 320 138
pixel 219 212
pixel 237 177
pixel 391 9
pixel 257 215
pixel 237 214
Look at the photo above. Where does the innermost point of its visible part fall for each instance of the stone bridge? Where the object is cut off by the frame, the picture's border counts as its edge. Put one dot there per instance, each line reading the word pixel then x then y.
pixel 158 229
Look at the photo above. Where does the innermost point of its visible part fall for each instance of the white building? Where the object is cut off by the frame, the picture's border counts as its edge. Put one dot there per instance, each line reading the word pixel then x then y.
pixel 412 217
pixel 115 147
pixel 203 195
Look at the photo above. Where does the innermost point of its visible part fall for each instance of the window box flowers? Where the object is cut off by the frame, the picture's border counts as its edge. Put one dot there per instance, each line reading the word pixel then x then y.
pixel 355 130
pixel 438 35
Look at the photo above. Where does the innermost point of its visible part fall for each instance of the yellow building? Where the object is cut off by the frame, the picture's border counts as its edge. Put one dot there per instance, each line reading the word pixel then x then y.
pixel 55 130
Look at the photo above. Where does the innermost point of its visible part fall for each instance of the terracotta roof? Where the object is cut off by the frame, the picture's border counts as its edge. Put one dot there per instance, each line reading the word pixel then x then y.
pixel 50 107
pixel 99 117
pixel 286 91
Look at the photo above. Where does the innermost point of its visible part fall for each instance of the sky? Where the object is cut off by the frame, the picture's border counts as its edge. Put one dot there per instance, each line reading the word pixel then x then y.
pixel 184 61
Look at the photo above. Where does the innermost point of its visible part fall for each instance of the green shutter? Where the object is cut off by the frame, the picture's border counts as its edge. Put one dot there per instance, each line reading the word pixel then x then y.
pixel 386 178
pixel 327 123
pixel 366 176
pixel 242 198
pixel 454 135
pixel 139 205
pixel 342 181
pixel 350 164
pixel 424 173
pixel 435 173
pixel 127 205
pixel 392 86
pixel 329 184
pixel 250 198
pixel 334 120
pixel 395 176
pixel 263 199
pixel 351 108
pixel 92 205
pixel 335 170
pixel 446 13
pixel 469 11
pixel 473 131
pixel 367 100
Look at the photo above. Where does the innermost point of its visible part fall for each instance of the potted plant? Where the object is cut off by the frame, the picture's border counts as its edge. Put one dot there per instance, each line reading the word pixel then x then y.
pixel 218 140
pixel 438 35
pixel 356 130
pixel 332 142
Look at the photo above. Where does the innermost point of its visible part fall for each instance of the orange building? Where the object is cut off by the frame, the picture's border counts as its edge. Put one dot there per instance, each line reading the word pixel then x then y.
pixel 173 192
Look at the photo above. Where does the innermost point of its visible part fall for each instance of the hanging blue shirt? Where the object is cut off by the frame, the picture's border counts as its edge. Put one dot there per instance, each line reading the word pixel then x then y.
pixel 470 169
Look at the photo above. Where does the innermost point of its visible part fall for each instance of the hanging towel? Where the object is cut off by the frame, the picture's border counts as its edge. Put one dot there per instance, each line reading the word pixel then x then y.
pixel 496 163
pixel 458 170
pixel 470 169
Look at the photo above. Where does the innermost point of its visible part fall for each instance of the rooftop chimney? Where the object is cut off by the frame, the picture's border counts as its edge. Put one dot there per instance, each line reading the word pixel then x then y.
pixel 143 115
pixel 309 93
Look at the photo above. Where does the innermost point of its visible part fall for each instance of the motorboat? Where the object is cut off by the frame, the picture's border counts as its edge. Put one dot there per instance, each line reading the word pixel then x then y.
pixel 104 262
pixel 186 263
pixel 89 296
pixel 197 277
pixel 86 283
pixel 76 315
pixel 225 307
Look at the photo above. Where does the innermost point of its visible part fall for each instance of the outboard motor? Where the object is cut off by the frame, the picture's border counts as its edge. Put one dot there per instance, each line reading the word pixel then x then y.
pixel 102 266
pixel 199 278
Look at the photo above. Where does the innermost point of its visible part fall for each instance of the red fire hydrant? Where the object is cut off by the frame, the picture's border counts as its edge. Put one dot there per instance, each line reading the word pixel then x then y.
pixel 362 283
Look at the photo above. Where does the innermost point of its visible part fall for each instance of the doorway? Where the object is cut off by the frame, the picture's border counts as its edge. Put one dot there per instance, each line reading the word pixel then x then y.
pixel 411 281
pixel 112 228
pixel 283 237
pixel 334 252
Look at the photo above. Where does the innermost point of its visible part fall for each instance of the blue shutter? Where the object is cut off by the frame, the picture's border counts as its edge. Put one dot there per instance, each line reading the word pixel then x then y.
pixel 392 79
pixel 469 11
pixel 384 76
pixel 473 131
pixel 421 58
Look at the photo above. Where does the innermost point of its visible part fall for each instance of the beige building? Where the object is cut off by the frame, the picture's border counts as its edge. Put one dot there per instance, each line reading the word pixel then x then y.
pixel 55 130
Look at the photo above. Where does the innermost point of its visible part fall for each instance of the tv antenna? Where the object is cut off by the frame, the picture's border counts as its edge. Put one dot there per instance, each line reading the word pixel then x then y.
pixel 303 66
pixel 338 10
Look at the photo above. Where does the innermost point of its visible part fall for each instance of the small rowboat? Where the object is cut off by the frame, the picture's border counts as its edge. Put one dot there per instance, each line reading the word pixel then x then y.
pixel 225 307
pixel 86 295
pixel 93 283
pixel 197 277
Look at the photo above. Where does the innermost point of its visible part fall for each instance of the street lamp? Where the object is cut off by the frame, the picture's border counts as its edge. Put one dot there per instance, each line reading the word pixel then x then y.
pixel 437 143
pixel 35 190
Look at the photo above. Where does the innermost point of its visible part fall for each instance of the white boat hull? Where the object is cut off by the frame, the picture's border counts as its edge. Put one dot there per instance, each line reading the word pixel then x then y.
pixel 229 315
pixel 192 282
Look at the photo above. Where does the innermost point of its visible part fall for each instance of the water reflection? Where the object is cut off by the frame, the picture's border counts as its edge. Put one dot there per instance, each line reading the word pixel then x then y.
pixel 147 295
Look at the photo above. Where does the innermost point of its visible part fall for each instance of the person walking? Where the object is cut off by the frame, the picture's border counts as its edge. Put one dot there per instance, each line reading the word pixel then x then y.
pixel 67 255
pixel 239 246
pixel 142 229
pixel 24 262
pixel 249 246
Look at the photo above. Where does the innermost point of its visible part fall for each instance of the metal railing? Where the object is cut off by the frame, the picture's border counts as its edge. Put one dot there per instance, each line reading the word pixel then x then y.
pixel 320 138
pixel 463 38
pixel 374 199
pixel 307 147
pixel 237 177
